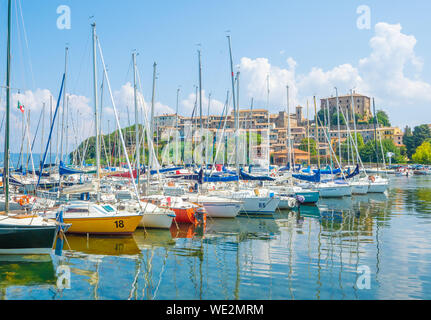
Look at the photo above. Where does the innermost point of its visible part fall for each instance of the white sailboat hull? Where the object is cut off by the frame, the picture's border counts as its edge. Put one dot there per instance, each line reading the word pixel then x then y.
pixel 156 220
pixel 287 202
pixel 221 210
pixel 334 191
pixel 359 188
pixel 377 187
pixel 261 205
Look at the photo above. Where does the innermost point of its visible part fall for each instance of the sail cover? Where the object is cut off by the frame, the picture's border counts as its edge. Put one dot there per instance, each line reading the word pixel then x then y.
pixel 313 178
pixel 246 176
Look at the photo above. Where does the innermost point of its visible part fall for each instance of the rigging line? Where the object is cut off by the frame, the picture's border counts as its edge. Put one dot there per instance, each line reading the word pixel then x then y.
pixel 118 123
pixel 26 43
pixel 21 51
pixel 35 135
pixel 81 64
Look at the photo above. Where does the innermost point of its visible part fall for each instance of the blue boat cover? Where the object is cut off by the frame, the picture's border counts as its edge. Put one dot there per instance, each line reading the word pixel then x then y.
pixel 313 178
pixel 166 170
pixel 354 173
pixel 64 171
pixel 246 176
pixel 328 170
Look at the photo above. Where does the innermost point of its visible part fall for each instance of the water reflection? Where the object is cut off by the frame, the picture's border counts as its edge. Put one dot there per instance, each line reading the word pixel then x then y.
pixel 102 246
pixel 25 271
pixel 310 253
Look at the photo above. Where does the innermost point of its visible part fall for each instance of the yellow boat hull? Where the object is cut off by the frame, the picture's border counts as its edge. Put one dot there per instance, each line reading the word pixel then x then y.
pixel 120 225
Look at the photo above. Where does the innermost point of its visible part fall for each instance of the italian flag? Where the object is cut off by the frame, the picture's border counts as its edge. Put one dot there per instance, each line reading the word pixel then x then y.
pixel 20 107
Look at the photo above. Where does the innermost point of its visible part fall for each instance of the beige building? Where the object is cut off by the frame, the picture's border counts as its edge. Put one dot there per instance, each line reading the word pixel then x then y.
pixel 361 104
pixel 260 120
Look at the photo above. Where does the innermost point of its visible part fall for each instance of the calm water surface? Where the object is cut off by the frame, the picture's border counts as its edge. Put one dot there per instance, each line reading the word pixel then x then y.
pixel 314 254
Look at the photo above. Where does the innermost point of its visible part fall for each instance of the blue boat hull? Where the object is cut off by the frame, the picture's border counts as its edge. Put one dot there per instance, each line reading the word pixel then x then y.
pixel 309 196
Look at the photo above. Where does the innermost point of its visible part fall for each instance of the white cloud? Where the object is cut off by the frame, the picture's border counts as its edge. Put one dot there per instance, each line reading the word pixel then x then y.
pixel 385 74
pixel 187 105
pixel 254 78
pixel 384 70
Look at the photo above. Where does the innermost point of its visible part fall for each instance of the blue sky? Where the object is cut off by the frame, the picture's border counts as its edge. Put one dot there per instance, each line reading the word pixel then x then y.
pixel 285 39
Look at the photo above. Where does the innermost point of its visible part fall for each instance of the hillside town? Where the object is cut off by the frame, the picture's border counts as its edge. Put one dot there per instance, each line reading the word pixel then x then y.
pixel 301 126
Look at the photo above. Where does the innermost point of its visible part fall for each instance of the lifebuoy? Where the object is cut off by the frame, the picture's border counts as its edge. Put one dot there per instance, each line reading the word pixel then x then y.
pixel 24 200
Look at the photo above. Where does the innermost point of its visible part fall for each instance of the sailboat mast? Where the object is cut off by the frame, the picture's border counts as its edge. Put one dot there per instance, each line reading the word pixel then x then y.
pixel 338 124
pixel 64 105
pixel 138 148
pixel 308 135
pixel 375 133
pixel 152 111
pixel 176 128
pixel 96 117
pixel 43 130
pixel 289 141
pixel 354 124
pixel 317 133
pixel 200 90
pixel 6 146
pixel 207 131
pixel 237 123
pixel 329 130
pixel 233 101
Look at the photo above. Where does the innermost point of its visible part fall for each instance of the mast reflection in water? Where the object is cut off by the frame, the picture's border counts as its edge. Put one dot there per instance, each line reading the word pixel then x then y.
pixel 313 253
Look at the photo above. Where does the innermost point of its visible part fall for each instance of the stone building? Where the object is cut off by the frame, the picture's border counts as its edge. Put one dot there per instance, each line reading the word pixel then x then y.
pixel 361 104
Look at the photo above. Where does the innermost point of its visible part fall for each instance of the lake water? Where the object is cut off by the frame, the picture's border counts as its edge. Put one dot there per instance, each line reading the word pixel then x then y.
pixel 364 247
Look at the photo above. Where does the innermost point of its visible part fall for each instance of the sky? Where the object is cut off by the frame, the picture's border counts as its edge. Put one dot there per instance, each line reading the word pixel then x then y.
pixel 310 46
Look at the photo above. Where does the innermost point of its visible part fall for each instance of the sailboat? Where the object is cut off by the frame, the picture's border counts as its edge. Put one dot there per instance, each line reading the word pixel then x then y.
pixel 378 184
pixel 100 218
pixel 21 233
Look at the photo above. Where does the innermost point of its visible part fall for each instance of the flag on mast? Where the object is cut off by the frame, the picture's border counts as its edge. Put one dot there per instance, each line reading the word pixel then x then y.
pixel 20 107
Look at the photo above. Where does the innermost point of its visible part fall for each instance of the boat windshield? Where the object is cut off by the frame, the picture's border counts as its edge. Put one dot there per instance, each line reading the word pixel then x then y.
pixel 108 208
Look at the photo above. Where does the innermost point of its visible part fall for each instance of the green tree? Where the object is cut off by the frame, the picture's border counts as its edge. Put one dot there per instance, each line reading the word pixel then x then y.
pixel 368 151
pixel 383 119
pixel 412 140
pixel 334 119
pixel 304 146
pixel 350 143
pixel 423 154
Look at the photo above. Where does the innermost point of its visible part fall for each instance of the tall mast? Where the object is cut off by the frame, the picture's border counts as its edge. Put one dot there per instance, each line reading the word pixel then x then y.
pixel 354 124
pixel 317 133
pixel 67 132
pixel 237 123
pixel 50 125
pixel 250 133
pixel 200 89
pixel 152 111
pixel 109 146
pixel 176 128
pixel 375 133
pixel 234 103
pixel 200 101
pixel 289 141
pixel 43 130
pixel 6 145
pixel 329 130
pixel 308 136
pixel 207 146
pixel 64 105
pixel 138 148
pixel 96 117
pixel 338 124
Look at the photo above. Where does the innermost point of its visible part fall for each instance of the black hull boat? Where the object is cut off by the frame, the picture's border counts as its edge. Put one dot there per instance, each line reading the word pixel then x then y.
pixel 27 239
